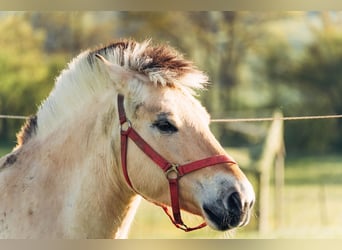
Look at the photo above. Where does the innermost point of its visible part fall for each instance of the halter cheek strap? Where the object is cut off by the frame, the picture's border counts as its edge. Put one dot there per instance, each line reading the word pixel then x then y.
pixel 173 172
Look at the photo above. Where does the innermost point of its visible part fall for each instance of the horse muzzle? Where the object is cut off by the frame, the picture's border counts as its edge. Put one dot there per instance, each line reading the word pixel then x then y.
pixel 229 211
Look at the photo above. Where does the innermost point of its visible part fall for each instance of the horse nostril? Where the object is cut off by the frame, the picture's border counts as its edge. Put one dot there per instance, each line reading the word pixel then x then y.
pixel 251 204
pixel 234 203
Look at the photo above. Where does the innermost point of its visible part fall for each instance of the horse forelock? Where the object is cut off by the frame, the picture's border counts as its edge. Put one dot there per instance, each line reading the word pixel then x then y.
pixel 161 64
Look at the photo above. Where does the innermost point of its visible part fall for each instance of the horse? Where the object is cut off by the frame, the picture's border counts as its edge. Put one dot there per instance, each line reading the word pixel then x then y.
pixel 122 122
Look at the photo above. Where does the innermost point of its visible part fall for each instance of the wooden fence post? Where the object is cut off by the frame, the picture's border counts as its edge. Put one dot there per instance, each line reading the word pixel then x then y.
pixel 274 144
pixel 279 178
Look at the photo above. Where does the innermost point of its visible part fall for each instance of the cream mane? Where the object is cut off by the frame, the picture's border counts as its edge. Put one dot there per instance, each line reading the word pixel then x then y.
pixel 85 78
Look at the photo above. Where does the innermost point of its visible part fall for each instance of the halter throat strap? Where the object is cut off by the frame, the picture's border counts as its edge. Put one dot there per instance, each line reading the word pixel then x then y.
pixel 173 172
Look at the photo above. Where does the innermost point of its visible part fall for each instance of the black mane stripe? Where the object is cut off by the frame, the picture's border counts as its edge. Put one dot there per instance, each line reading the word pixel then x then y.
pixel 103 50
pixel 28 130
pixel 163 59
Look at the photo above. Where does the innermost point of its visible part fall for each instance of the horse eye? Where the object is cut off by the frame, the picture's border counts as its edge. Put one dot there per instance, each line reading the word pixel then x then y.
pixel 164 126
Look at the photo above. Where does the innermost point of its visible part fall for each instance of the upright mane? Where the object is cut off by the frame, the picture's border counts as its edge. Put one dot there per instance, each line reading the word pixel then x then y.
pixel 84 78
pixel 162 64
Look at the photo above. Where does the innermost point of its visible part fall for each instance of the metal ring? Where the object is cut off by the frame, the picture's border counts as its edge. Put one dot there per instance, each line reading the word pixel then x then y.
pixel 172 169
pixel 124 127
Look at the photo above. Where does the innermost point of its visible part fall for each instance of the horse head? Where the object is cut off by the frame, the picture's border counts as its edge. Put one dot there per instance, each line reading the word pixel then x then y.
pixel 158 88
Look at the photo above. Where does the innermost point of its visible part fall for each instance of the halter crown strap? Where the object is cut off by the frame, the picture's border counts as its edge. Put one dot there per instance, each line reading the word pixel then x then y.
pixel 173 172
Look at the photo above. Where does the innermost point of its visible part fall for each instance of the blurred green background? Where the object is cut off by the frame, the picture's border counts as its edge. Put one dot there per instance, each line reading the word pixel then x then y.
pixel 257 62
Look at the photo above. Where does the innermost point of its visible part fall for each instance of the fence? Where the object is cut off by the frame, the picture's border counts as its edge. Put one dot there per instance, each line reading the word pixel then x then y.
pixel 272 156
pixel 270 161
pixel 270 165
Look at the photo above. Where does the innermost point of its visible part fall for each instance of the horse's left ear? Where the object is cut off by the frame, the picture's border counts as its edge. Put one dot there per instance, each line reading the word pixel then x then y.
pixel 120 76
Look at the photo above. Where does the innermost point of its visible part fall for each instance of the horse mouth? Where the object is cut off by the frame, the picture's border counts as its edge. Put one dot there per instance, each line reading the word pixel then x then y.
pixel 221 221
pixel 224 217
pixel 225 220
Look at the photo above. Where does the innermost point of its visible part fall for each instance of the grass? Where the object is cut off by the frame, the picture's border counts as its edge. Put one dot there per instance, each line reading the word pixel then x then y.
pixel 313 191
pixel 312 206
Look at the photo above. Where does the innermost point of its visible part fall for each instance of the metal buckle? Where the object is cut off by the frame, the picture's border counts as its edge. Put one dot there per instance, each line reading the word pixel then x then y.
pixel 172 169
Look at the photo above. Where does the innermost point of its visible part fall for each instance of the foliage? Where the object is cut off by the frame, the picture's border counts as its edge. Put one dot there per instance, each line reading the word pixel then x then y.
pixel 314 79
pixel 24 72
pixel 72 32
pixel 254 63
pixel 320 79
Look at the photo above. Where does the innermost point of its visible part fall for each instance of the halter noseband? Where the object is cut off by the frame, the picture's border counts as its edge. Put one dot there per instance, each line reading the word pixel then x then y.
pixel 173 172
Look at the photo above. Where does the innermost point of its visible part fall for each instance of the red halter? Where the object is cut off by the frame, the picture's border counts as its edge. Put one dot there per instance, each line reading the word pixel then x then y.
pixel 178 170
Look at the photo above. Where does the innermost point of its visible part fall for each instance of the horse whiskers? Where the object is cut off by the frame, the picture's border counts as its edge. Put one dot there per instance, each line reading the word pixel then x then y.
pixel 229 234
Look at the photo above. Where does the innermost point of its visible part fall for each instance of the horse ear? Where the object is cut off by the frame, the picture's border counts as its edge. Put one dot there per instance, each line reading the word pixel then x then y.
pixel 121 77
pixel 117 74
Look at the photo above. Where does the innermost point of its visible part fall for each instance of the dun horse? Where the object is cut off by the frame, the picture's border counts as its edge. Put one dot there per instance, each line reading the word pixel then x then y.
pixel 121 122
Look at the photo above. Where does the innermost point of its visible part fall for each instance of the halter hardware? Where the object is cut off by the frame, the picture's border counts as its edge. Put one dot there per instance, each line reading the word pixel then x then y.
pixel 172 169
pixel 124 127
pixel 173 172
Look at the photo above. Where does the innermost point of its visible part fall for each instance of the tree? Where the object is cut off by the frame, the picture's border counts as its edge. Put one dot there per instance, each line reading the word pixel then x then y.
pixel 71 32
pixel 320 77
pixel 23 72
pixel 310 84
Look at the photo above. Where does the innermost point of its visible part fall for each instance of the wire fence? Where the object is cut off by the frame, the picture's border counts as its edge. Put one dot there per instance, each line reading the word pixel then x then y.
pixel 16 117
pixel 288 118
pixel 227 120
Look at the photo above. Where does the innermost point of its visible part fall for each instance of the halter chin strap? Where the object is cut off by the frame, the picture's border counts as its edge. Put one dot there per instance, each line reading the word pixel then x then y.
pixel 173 172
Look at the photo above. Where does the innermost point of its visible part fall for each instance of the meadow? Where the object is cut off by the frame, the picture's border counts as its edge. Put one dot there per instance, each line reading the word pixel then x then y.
pixel 312 206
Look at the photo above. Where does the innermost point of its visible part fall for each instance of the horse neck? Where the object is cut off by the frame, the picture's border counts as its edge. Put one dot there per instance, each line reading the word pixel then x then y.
pixel 88 156
pixel 81 150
